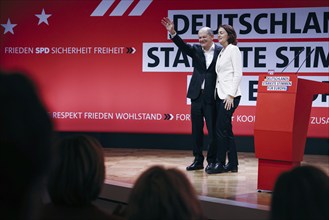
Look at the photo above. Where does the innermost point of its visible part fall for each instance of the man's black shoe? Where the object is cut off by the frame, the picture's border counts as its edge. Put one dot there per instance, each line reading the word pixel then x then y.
pixel 196 165
pixel 218 168
pixel 210 166
pixel 230 168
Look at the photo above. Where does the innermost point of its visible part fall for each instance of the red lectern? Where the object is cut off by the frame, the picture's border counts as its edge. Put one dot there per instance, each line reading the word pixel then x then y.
pixel 283 110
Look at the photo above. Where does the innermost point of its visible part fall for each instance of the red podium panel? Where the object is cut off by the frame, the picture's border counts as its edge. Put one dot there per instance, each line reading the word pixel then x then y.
pixel 283 111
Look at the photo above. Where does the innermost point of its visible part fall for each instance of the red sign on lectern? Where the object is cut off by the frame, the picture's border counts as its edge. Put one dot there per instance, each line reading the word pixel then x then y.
pixel 282 117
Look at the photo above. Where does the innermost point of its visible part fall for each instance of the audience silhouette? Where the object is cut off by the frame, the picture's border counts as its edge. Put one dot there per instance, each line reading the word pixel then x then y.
pixel 163 194
pixel 76 180
pixel 25 147
pixel 301 194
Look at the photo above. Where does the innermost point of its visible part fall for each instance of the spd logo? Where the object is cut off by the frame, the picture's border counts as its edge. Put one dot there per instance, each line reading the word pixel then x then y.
pixel 121 8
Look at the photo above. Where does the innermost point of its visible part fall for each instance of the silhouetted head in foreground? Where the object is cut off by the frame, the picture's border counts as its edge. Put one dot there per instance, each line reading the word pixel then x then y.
pixel 79 172
pixel 301 194
pixel 163 194
pixel 25 145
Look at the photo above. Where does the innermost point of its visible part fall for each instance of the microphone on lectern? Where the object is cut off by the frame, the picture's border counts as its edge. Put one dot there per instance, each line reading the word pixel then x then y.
pixel 305 60
pixel 293 59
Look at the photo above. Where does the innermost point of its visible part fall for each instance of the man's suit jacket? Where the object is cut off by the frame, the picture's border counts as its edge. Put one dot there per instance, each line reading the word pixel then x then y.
pixel 200 72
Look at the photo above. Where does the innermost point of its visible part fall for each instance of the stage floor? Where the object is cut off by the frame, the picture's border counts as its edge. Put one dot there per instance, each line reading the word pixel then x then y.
pixel 123 166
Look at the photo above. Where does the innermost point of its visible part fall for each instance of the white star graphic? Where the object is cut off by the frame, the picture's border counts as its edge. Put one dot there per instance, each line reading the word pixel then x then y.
pixel 8 27
pixel 43 17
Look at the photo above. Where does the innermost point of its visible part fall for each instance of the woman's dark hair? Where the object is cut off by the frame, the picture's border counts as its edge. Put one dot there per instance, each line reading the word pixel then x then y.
pixel 301 194
pixel 232 39
pixel 163 194
pixel 79 174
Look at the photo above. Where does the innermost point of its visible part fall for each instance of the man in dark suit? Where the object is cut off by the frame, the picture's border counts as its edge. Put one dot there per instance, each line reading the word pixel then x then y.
pixel 201 91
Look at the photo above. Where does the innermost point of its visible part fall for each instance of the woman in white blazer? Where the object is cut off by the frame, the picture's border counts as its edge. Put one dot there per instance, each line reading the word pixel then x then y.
pixel 228 95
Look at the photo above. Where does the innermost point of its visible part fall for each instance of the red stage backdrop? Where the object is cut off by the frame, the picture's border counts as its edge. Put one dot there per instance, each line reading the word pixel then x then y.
pixel 109 66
